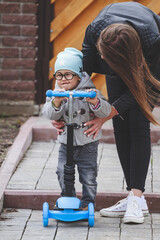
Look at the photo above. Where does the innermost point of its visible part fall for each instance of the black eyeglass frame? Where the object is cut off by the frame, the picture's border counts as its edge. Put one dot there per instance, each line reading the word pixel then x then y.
pixel 64 75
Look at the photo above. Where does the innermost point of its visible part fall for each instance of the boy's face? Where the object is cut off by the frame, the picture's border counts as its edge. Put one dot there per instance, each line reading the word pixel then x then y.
pixel 66 82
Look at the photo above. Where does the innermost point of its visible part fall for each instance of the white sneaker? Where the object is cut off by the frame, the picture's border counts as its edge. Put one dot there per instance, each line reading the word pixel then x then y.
pixel 119 209
pixel 133 212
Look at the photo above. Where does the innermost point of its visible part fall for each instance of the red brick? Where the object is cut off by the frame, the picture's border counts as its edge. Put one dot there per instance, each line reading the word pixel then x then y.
pixel 9 52
pixel 30 8
pixel 17 85
pixel 19 19
pixel 9 8
pixel 19 41
pixel 10 30
pixel 28 53
pixel 27 75
pixel 29 30
pixel 8 75
pixel 17 96
pixel 18 64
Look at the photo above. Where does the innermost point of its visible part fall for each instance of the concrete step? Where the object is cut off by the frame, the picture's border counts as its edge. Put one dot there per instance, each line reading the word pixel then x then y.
pixel 34 199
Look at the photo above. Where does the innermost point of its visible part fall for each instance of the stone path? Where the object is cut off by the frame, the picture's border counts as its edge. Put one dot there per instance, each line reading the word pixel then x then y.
pixel 20 224
pixel 36 172
pixel 37 169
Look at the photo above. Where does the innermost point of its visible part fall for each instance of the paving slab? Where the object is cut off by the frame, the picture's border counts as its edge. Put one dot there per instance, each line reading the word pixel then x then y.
pixel 15 154
pixel 31 130
pixel 37 170
pixel 30 227
pixel 38 173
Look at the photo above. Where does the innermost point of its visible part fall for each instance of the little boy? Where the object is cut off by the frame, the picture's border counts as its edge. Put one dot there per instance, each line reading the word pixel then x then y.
pixel 69 76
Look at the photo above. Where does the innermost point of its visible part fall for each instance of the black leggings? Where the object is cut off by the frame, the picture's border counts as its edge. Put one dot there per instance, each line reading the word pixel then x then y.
pixel 132 135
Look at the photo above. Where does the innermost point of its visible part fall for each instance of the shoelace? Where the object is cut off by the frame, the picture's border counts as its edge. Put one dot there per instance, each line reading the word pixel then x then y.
pixel 133 208
pixel 119 202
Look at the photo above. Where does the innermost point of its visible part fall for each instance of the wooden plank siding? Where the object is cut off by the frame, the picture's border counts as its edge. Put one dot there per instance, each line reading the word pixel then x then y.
pixel 69 25
pixel 67 16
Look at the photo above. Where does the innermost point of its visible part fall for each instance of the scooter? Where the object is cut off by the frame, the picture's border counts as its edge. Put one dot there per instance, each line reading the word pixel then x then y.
pixel 68 208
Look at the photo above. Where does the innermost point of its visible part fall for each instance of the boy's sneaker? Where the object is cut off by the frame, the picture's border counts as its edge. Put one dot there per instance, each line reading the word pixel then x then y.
pixel 85 209
pixel 133 212
pixel 119 209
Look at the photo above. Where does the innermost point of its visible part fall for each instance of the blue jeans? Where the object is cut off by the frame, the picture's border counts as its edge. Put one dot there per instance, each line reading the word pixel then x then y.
pixel 85 157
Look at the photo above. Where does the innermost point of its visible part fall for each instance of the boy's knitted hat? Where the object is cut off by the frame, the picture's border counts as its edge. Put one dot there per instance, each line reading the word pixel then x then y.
pixel 70 59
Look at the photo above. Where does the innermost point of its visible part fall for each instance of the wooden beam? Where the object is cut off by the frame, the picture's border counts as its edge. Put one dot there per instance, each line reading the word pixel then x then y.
pixel 154 5
pixel 76 42
pixel 67 16
pixel 100 83
pixel 73 35
pixel 143 2
pixel 60 5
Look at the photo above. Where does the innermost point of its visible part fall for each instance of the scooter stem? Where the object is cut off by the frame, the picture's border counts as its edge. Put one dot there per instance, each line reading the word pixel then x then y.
pixel 70 107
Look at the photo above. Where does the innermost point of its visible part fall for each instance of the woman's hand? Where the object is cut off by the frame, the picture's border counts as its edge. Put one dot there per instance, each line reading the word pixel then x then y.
pixel 59 125
pixel 97 124
pixel 95 128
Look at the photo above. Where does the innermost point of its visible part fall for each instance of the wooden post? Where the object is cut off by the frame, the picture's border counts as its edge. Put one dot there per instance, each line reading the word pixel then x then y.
pixel 45 15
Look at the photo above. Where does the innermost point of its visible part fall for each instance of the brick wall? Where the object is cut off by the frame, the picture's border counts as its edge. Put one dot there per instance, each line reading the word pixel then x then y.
pixel 18 56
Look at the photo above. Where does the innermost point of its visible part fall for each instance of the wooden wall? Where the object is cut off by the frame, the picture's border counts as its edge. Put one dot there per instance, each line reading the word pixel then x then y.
pixel 69 24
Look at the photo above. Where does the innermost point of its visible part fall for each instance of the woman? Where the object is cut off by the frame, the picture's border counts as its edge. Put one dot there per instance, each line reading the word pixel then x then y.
pixel 123 42
pixel 118 43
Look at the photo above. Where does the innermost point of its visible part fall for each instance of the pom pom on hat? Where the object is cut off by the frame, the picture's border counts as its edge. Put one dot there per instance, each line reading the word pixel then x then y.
pixel 70 59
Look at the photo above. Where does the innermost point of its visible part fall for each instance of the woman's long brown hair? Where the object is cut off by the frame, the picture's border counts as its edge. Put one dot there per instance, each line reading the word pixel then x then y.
pixel 120 46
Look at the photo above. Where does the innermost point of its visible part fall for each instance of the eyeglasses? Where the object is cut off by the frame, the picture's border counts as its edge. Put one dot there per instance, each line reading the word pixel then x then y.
pixel 67 75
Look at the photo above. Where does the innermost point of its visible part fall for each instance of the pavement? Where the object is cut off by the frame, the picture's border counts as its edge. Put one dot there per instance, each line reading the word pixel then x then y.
pixel 28 178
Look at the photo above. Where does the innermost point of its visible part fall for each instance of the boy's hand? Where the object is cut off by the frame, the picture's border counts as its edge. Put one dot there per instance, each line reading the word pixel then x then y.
pixel 93 101
pixel 57 100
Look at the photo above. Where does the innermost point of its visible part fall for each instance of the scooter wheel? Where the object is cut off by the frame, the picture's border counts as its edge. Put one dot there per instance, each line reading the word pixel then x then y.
pixel 45 214
pixel 91 214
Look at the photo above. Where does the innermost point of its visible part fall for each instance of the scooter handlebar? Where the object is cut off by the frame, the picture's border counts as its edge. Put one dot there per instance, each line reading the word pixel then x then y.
pixel 51 93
